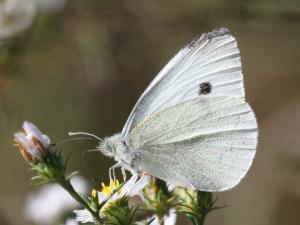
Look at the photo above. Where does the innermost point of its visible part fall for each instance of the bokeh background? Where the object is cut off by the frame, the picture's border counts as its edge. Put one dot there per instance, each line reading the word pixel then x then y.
pixel 81 65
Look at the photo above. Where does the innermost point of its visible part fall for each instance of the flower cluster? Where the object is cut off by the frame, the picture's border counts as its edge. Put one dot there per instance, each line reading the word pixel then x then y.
pixel 115 203
pixel 105 200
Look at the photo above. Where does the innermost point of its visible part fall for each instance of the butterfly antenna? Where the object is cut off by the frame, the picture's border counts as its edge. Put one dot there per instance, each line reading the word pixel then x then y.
pixel 84 133
pixel 72 139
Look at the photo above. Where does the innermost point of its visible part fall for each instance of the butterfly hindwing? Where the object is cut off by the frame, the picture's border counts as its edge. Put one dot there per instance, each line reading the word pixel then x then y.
pixel 203 143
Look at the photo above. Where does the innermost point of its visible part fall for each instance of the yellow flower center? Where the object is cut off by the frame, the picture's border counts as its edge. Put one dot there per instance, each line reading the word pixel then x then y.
pixel 106 190
pixel 113 185
pixel 94 193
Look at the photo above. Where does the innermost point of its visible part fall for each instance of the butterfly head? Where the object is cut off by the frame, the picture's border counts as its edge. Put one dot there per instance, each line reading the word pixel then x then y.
pixel 109 145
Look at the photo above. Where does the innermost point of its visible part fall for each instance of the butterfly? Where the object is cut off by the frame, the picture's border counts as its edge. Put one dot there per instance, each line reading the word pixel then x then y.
pixel 192 126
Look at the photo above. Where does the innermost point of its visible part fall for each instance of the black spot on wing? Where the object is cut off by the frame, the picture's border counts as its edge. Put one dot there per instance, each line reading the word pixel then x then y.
pixel 205 88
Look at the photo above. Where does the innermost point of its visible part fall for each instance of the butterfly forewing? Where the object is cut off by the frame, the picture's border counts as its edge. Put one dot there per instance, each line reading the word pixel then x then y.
pixel 211 59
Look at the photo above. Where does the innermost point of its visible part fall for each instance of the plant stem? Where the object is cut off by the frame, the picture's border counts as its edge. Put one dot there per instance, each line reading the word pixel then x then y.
pixel 161 221
pixel 201 220
pixel 66 184
pixel 205 204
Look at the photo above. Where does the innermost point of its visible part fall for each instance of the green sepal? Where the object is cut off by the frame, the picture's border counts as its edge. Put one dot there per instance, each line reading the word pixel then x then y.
pixel 119 213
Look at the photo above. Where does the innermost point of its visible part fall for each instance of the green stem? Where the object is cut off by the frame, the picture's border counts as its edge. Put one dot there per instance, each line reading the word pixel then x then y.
pixel 201 220
pixel 205 204
pixel 66 184
pixel 161 221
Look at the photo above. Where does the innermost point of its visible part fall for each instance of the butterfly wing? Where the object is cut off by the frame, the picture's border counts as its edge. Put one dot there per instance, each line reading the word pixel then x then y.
pixel 203 143
pixel 211 59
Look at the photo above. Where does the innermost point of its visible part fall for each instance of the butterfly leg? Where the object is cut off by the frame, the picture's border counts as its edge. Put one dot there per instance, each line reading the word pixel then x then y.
pixel 111 171
pixel 123 174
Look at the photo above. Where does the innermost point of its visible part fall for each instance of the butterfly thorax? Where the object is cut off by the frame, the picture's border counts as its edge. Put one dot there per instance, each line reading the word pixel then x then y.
pixel 113 147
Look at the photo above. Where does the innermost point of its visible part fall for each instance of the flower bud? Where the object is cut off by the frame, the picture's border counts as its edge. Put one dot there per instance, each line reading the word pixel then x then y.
pixel 33 144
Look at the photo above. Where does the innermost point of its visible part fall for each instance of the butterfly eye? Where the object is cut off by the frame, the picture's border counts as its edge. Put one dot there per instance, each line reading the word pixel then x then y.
pixel 205 88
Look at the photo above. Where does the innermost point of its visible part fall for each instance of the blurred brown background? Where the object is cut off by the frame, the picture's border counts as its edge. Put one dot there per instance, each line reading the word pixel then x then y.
pixel 81 65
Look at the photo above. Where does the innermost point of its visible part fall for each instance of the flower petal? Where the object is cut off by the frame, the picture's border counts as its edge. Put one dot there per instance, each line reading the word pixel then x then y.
pixel 32 130
pixel 84 216
pixel 71 221
pixel 20 138
pixel 169 219
pixel 46 140
pixel 139 185
pixel 102 196
pixel 127 186
pixel 31 149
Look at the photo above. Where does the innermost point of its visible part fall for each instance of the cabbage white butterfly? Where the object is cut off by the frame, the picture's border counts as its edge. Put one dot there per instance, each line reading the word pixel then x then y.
pixel 192 127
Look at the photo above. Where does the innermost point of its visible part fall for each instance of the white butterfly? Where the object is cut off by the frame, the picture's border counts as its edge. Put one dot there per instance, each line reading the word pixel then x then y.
pixel 192 127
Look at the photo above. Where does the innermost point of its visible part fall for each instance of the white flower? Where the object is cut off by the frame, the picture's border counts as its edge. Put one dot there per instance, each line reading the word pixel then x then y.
pixel 50 202
pixel 169 219
pixel 33 131
pixel 71 221
pixel 131 188
pixel 16 16
pixel 32 142
pixel 84 216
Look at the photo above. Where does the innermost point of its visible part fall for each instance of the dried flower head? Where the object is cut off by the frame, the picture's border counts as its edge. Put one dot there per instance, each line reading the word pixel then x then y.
pixel 33 144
